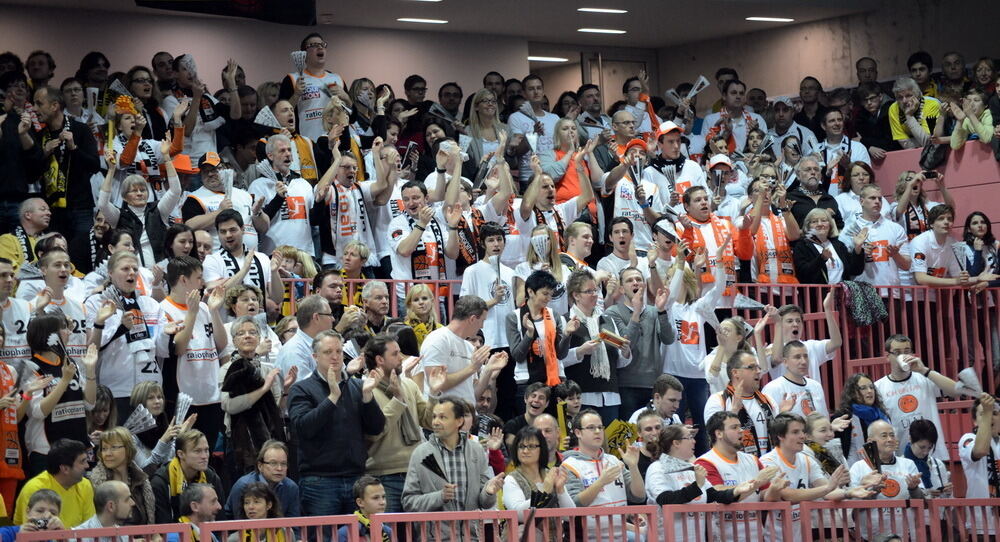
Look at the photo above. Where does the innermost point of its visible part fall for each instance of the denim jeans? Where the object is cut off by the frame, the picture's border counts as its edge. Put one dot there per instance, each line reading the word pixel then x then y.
pixel 393 484
pixel 327 495
pixel 695 396
pixel 633 399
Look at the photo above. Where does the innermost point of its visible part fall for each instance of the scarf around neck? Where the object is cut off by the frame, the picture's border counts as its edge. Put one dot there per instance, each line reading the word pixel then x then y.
pixel 599 365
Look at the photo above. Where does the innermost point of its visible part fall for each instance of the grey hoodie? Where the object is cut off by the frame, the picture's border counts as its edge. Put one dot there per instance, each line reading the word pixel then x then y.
pixel 645 337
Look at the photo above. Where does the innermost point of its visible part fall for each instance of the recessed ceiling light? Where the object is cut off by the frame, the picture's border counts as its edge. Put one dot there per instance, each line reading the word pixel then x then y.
pixel 600 30
pixel 547 59
pixel 426 0
pixel 603 10
pixel 770 19
pixel 416 20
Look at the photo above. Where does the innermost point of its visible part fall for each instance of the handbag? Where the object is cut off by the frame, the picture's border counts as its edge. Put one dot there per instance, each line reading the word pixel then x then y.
pixel 933 155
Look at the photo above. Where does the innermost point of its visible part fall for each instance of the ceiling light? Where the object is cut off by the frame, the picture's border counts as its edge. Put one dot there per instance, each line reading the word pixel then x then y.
pixel 600 30
pixel 603 10
pixel 547 59
pixel 770 19
pixel 426 0
pixel 416 20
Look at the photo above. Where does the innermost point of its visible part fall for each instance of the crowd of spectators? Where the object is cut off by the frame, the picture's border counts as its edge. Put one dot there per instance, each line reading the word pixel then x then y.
pixel 313 298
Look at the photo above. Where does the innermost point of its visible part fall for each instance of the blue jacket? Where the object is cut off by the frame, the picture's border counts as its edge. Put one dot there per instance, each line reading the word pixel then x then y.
pixel 287 492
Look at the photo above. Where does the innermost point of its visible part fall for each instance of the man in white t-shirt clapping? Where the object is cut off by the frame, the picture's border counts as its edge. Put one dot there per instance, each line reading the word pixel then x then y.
pixel 448 360
pixel 805 394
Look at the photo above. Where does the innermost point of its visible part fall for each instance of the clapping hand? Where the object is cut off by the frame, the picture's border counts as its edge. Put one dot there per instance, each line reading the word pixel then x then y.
pixel 495 440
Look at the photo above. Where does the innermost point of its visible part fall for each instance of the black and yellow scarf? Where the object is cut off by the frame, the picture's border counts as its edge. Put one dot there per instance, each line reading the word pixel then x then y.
pixel 366 527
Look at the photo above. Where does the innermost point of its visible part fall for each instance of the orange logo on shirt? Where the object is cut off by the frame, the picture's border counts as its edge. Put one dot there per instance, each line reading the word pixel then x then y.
pixel 689 332
pixel 296 207
pixel 880 251
pixel 891 488
pixel 908 403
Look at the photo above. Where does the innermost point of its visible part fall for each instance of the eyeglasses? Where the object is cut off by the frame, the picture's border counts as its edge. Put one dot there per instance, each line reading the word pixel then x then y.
pixel 142 81
pixel 330 314
pixel 751 367
pixel 529 447
pixel 589 292
pixel 593 428
pixel 316 45
pixel 276 464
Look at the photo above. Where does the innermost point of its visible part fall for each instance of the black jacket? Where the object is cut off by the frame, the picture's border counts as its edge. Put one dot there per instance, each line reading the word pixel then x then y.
pixel 83 162
pixel 811 269
pixel 331 437
pixel 168 508
pixel 802 204
pixel 17 166
pixel 580 373
pixel 874 129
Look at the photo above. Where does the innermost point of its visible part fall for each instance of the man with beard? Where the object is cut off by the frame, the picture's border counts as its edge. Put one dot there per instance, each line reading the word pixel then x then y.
pixel 743 398
pixel 202 207
pixel 406 411
pixel 592 120
pixel 113 502
pixel 811 193
pixel 289 197
pixel 234 262
pixel 70 158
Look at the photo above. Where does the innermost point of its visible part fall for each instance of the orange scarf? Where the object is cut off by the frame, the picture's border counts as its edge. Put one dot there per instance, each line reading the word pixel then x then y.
pixel 781 254
pixel 10 466
pixel 696 240
pixel 549 355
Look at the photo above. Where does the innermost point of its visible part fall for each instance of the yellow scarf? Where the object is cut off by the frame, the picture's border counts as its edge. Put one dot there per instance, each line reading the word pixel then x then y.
pixel 359 158
pixel 195 531
pixel 270 535
pixel 307 163
pixel 177 481
pixel 367 524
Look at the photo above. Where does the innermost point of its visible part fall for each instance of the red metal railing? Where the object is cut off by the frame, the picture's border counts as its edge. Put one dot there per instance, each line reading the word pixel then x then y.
pixel 915 520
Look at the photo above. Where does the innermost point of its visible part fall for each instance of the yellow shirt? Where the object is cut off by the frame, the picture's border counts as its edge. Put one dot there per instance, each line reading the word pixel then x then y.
pixel 77 501
pixel 10 248
pixel 931 109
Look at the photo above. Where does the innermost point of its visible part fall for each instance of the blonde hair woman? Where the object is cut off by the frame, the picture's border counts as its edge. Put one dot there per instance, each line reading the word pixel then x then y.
pixel 421 311
pixel 116 461
pixel 484 132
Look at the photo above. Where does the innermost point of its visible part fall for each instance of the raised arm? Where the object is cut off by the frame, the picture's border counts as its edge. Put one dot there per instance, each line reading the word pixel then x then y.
pixel 531 194
pixel 111 213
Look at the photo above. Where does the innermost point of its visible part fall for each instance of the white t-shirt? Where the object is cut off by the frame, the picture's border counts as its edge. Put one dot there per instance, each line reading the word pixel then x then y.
pixel 937 260
pixel 809 397
pixel 313 99
pixel 291 225
pixel 442 348
pixel 121 367
pixel 222 265
pixel 740 127
pixel 880 269
pixel 382 215
pixel 880 520
pixel 802 473
pixel 806 137
pixel 562 214
pixel 977 474
pixel 520 123
pixel 627 205
pixel 242 203
pixel 515 251
pixel 818 355
pixel 850 207
pixel 716 383
pixel 202 139
pixel 480 279
pixel 912 399
pixel 722 471
pixel 691 174
pixel 614 265
pixel 16 314
pixel 198 368
pixel 560 299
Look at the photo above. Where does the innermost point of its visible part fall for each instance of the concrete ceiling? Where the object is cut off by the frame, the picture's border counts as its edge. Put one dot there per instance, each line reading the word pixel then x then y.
pixel 648 23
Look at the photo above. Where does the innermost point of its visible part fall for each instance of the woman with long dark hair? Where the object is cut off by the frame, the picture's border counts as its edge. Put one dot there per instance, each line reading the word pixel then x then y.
pixel 979 248
pixel 859 400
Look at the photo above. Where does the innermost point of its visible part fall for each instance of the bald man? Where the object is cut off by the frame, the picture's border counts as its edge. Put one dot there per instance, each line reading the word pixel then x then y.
pixel 547 424
pixel 33 218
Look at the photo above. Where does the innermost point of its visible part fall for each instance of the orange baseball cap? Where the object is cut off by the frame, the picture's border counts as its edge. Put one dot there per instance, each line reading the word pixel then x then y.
pixel 211 158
